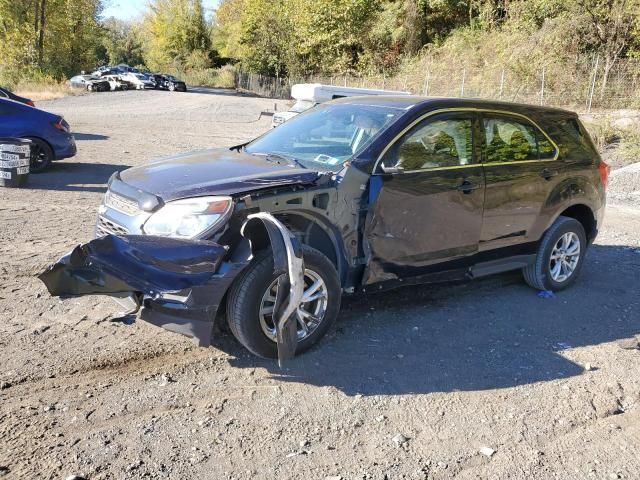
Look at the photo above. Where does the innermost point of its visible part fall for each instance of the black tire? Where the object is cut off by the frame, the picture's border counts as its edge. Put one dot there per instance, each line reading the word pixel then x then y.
pixel 245 297
pixel 172 87
pixel 538 275
pixel 41 156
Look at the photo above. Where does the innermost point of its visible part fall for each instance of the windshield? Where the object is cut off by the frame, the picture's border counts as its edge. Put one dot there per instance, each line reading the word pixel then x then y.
pixel 140 76
pixel 171 77
pixel 326 136
pixel 302 106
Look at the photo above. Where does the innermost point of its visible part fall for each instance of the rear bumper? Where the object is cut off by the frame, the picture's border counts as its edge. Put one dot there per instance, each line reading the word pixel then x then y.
pixel 65 148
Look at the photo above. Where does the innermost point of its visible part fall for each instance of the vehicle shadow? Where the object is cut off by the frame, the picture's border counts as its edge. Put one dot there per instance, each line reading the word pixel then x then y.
pixel 75 177
pixel 89 136
pixel 491 333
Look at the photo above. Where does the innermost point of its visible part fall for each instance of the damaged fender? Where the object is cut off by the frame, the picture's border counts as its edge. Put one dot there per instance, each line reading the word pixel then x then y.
pixel 288 264
pixel 180 284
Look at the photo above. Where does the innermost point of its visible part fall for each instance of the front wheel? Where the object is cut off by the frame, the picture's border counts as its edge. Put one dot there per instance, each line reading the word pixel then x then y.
pixel 560 256
pixel 252 298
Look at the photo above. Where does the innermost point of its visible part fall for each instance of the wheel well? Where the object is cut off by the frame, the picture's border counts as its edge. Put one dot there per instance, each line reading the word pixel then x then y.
pixel 33 137
pixel 308 232
pixel 584 215
pixel 312 234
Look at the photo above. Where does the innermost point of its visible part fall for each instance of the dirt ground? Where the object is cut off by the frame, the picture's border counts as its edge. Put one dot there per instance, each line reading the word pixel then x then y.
pixel 551 386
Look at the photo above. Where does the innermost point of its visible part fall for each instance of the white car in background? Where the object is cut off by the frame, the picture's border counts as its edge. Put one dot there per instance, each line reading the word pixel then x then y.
pixel 115 83
pixel 308 95
pixel 138 80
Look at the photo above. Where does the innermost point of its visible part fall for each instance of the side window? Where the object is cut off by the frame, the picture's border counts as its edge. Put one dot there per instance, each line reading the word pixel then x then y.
pixel 512 141
pixel 434 144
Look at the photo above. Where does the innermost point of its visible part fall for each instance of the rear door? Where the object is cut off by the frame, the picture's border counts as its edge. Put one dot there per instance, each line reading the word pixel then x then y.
pixel 521 168
pixel 428 207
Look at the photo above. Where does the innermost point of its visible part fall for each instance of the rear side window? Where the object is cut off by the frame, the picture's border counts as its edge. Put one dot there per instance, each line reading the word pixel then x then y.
pixel 572 138
pixel 510 140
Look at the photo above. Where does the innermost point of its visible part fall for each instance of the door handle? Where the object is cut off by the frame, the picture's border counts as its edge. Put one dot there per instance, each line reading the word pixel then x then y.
pixel 548 174
pixel 467 187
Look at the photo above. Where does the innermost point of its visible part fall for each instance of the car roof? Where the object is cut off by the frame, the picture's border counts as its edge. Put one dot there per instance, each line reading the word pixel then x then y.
pixel 10 101
pixel 407 102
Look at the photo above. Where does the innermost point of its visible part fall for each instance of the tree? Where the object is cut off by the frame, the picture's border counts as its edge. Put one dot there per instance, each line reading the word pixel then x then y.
pixel 610 28
pixel 122 43
pixel 172 31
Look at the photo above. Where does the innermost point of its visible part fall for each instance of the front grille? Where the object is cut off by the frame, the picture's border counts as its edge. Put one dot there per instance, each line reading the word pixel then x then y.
pixel 121 204
pixel 107 227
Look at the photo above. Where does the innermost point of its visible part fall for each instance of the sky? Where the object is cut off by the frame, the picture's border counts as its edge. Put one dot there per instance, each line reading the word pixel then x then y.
pixel 131 9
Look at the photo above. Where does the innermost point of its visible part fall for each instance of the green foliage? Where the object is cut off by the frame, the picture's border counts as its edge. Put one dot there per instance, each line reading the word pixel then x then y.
pixel 55 37
pixel 302 37
pixel 172 30
pixel 121 43
pixel 58 38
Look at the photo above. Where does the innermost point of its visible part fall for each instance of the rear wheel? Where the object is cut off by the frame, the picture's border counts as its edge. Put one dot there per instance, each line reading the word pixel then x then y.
pixel 90 87
pixel 252 298
pixel 41 155
pixel 560 256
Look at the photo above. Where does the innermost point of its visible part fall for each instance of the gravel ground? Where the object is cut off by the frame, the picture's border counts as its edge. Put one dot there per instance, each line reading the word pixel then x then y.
pixel 478 380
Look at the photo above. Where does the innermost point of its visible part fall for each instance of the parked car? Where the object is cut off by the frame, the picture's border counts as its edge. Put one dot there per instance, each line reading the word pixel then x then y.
pixel 90 83
pixel 6 93
pixel 138 80
pixel 308 95
pixel 50 133
pixel 104 71
pixel 157 79
pixel 172 84
pixel 115 83
pixel 124 68
pixel 380 191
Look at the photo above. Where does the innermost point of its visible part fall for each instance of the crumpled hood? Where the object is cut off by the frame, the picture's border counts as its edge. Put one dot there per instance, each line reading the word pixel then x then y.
pixel 212 172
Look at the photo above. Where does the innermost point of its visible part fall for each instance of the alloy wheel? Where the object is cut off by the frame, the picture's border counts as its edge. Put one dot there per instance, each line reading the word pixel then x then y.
pixel 564 257
pixel 38 159
pixel 310 312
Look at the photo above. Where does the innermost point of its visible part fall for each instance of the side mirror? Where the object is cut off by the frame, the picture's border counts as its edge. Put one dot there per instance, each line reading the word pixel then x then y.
pixel 396 169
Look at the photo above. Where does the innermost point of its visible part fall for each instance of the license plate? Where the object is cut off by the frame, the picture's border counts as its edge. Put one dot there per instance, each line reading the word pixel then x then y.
pixel 5 175
pixel 23 149
pixel 8 156
pixel 23 170
pixel 22 162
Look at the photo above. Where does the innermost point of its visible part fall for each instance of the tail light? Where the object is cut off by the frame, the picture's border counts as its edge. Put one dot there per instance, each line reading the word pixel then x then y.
pixel 604 170
pixel 30 103
pixel 61 125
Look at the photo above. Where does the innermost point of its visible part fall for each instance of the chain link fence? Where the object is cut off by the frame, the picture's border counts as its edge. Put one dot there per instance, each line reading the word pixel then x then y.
pixel 584 86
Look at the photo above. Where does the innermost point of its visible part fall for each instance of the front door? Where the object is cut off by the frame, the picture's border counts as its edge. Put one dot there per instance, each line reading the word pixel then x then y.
pixel 430 195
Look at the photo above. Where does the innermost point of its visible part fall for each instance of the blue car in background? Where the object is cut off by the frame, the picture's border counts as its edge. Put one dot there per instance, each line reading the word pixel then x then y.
pixel 50 133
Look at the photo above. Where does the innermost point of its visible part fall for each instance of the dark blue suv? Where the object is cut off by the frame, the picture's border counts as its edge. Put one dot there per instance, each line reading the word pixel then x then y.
pixel 50 133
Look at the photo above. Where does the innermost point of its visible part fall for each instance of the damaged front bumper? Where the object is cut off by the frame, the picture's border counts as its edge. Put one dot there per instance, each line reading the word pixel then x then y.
pixel 180 284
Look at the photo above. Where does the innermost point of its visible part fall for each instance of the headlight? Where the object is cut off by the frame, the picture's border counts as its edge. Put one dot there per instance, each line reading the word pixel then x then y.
pixel 188 218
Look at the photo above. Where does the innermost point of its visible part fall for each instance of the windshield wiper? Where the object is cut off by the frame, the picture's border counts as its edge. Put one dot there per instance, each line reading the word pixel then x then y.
pixel 282 156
